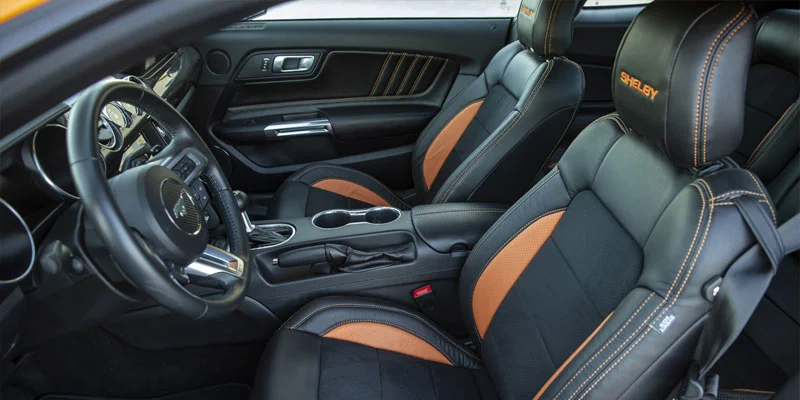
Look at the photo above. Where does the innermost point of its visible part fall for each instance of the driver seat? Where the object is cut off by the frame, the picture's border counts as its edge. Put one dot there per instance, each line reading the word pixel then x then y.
pixel 592 285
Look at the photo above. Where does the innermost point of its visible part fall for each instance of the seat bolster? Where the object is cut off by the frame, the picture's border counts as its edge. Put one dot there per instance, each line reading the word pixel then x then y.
pixel 504 166
pixel 580 163
pixel 367 322
pixel 476 91
pixel 289 368
pixel 778 146
pixel 548 196
pixel 300 196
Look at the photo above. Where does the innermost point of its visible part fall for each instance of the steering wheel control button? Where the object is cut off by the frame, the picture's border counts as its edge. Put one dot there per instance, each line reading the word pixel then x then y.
pixel 185 167
pixel 180 206
pixel 200 194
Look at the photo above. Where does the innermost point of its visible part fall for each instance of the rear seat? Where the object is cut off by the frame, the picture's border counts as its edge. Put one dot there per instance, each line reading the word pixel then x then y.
pixel 765 356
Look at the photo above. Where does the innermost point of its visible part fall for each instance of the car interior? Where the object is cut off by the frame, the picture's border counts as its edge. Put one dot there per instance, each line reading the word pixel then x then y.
pixel 563 199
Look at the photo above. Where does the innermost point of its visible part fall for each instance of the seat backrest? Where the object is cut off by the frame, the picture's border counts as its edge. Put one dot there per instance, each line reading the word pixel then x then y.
pixel 491 140
pixel 591 285
pixel 765 356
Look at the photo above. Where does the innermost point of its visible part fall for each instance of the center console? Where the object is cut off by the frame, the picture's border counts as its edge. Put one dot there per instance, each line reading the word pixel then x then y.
pixel 379 251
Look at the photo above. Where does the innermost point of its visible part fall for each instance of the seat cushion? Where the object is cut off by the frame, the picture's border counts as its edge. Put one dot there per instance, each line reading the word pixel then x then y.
pixel 355 348
pixel 321 187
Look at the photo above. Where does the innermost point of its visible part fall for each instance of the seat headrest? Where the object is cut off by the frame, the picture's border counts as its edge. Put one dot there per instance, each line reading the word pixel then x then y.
pixel 546 25
pixel 680 77
pixel 777 40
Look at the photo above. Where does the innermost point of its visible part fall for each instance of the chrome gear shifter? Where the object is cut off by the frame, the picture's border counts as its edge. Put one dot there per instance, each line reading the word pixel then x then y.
pixel 261 236
pixel 242 201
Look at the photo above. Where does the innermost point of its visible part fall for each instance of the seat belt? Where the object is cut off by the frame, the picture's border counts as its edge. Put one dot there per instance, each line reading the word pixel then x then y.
pixel 742 288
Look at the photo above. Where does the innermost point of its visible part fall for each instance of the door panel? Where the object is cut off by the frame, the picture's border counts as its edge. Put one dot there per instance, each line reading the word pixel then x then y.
pixel 371 88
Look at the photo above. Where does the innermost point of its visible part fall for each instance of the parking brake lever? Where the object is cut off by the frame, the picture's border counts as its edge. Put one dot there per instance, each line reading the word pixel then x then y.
pixel 345 258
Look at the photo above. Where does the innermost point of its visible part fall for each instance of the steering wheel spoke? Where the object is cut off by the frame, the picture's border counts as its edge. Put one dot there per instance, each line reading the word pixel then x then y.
pixel 215 267
pixel 188 162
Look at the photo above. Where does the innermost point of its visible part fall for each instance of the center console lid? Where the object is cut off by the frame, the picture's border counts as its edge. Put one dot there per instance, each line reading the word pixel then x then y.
pixel 454 226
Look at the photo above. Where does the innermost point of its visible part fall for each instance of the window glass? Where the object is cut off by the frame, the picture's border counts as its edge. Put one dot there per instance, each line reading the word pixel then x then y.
pixel 351 9
pixel 614 3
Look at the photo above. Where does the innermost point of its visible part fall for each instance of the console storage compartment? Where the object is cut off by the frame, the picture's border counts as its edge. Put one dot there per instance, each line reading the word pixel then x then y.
pixel 379 251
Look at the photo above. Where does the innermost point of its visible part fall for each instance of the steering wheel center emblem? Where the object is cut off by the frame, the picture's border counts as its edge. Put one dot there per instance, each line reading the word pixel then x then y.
pixel 179 211
pixel 180 207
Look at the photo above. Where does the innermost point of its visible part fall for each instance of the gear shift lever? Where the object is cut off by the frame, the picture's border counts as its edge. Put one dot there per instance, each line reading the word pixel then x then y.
pixel 242 201
pixel 261 235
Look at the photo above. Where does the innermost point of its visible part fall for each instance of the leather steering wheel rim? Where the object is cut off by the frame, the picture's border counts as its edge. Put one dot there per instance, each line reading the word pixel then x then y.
pixel 138 262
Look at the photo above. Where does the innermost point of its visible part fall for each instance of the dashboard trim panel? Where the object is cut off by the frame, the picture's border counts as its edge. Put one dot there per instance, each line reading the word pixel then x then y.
pixel 29 268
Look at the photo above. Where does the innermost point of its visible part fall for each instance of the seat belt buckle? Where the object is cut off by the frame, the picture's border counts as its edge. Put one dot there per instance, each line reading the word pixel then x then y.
pixel 426 302
pixel 699 388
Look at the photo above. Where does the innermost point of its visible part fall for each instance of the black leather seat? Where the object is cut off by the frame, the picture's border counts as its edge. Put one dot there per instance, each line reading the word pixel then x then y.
pixel 590 286
pixel 766 354
pixel 487 144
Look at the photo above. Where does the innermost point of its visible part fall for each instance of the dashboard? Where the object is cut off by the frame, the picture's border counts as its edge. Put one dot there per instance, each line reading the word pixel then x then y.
pixel 36 185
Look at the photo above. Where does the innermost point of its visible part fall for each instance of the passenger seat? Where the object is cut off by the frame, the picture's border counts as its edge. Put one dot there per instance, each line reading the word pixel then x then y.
pixel 766 354
pixel 487 144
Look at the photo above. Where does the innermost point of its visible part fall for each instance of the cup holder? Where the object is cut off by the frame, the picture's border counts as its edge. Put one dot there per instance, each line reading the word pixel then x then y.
pixel 338 218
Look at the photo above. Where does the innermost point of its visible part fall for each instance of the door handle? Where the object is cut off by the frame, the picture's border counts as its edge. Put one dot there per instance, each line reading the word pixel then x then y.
pixel 299 128
pixel 294 63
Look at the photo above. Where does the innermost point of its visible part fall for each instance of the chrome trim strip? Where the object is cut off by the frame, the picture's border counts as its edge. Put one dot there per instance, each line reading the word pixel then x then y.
pixel 30 239
pixel 214 261
pixel 40 170
pixel 320 126
pixel 117 144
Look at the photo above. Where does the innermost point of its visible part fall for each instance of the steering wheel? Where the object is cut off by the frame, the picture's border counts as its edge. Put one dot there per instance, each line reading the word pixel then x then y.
pixel 147 216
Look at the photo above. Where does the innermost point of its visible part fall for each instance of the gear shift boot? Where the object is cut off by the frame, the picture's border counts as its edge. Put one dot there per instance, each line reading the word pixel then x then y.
pixel 261 236
pixel 270 235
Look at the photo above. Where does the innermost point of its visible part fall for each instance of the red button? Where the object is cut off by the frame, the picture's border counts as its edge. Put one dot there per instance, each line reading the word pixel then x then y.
pixel 422 291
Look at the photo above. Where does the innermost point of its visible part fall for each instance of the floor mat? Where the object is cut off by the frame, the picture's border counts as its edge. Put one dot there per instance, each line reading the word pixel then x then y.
pixel 96 363
pixel 233 391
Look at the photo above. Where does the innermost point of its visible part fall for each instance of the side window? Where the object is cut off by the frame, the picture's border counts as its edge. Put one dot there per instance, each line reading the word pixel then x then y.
pixel 614 3
pixel 362 9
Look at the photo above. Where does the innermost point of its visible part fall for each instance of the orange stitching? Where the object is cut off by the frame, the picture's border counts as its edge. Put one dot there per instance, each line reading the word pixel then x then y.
pixel 732 192
pixel 500 135
pixel 608 342
pixel 419 76
pixel 702 76
pixel 711 79
pixel 764 140
pixel 408 72
pixel 730 203
pixel 700 250
pixel 547 28
pixel 633 346
pixel 666 297
pixel 380 74
pixel 394 74
pixel 761 188
pixel 555 18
